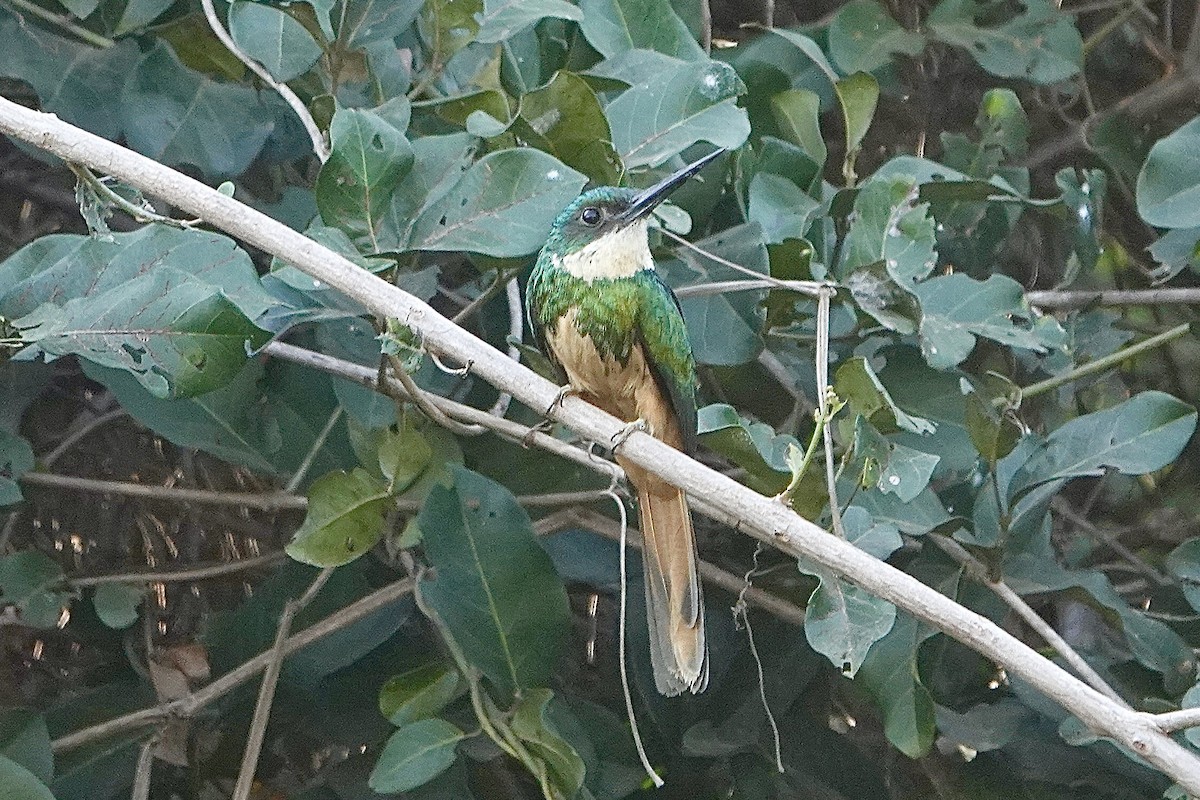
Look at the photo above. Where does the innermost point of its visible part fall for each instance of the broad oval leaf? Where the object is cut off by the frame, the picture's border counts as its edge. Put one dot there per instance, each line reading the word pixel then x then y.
pixel 344 520
pixel 1143 434
pixel 273 38
pixel 857 383
pixel 618 26
pixel 1168 187
pixel 496 589
pixel 532 724
pixel 177 335
pixel 502 206
pixel 754 446
pixel 414 755
pixel 956 308
pixel 367 161
pixel 33 583
pixel 25 739
pixel 842 621
pixel 502 18
pixel 1184 563
pixel 665 114
pixel 1040 44
pixel 20 784
pixel 863 37
pixel 117 603
pixel 418 693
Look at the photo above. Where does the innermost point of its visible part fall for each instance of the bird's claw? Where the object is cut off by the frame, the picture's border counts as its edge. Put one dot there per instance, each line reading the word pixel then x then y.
pixel 620 436
pixel 563 391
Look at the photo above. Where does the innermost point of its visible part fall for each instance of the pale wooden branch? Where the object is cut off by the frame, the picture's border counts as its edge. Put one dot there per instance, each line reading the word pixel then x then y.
pixel 726 501
pixel 1064 298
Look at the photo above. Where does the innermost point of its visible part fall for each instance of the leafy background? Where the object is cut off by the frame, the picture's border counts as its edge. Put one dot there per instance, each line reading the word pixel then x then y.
pixel 964 171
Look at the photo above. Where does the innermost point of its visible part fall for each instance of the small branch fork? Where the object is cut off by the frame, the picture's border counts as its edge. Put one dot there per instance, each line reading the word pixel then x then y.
pixel 718 496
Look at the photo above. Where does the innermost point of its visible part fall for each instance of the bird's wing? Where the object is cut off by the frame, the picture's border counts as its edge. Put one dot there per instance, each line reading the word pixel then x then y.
pixel 668 352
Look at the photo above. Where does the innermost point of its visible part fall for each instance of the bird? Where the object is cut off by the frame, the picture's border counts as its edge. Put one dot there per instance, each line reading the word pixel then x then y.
pixel 615 330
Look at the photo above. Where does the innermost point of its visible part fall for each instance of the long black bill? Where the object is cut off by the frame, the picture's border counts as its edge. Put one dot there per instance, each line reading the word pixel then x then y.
pixel 647 199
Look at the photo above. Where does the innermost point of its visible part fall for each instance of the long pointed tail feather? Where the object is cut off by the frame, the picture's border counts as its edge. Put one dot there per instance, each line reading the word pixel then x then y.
pixel 674 599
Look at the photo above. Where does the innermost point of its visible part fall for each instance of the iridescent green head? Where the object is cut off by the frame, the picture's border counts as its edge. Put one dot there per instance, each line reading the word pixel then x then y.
pixel 606 210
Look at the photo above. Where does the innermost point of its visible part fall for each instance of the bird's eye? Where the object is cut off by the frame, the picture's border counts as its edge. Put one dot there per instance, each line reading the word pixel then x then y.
pixel 590 216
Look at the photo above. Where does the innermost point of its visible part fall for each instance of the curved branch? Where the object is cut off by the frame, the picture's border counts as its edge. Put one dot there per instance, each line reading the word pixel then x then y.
pixel 725 500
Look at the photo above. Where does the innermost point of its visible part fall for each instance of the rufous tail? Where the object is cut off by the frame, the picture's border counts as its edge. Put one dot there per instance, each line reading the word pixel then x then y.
pixel 674 598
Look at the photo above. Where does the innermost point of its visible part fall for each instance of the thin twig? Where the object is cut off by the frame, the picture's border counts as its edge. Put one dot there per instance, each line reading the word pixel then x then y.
pixel 139 214
pixel 145 768
pixel 298 476
pixel 1064 509
pixel 807 287
pixel 81 433
pixel 1170 721
pixel 977 570
pixel 190 704
pixel 266 690
pixel 267 501
pixel 516 328
pixel 91 37
pixel 301 111
pixel 741 617
pixel 422 400
pixel 1052 298
pixel 823 398
pixel 810 288
pixel 1100 364
pixel 196 573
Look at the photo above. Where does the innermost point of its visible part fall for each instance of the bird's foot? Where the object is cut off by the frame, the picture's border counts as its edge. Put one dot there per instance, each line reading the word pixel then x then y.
pixel 620 436
pixel 563 391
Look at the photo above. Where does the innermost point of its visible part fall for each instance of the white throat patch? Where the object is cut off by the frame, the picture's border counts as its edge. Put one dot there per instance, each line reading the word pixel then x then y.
pixel 620 254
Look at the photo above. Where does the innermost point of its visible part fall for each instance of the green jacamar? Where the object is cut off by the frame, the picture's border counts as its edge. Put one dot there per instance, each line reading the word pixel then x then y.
pixel 605 318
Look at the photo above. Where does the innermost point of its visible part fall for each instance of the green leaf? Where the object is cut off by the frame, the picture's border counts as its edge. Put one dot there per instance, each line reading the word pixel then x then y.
pixel 797 114
pixel 367 161
pixel 863 37
pixel 32 582
pixel 496 589
pixel 344 520
pixel 781 208
pixel 414 755
pixel 1175 251
pixel 994 435
pixel 178 336
pixel 890 674
pixel 723 328
pixel 842 621
pixel 82 9
pixel 21 784
pixel 1143 434
pixel 890 226
pixel 532 724
pixel 1083 196
pixel 139 14
pixel 502 18
pixel 1039 44
pixel 907 472
pixel 664 115
pixel 1168 187
pixel 447 26
pixel 73 80
pixel 858 95
pixel 273 38
pixel 403 456
pixel 811 49
pixel 16 458
pixel 564 118
pixel 955 309
pixel 177 116
pixel 618 26
pixel 117 603
pixel 370 21
pixel 875 292
pixel 419 693
pixel 63 267
pixel 856 382
pixel 754 446
pixel 879 538
pixel 502 206
pixel 25 740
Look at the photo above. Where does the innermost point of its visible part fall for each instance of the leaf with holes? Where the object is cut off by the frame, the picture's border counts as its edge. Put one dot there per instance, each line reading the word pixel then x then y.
pixel 842 620
pixel 955 309
pixel 667 113
pixel 178 336
pixel 502 206
pixel 344 520
pixel 1039 44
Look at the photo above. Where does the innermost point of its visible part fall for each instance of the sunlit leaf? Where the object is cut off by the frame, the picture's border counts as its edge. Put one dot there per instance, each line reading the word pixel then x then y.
pixel 344 519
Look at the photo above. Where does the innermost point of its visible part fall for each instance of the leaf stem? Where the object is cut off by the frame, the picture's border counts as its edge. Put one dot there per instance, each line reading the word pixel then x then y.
pixel 1099 365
